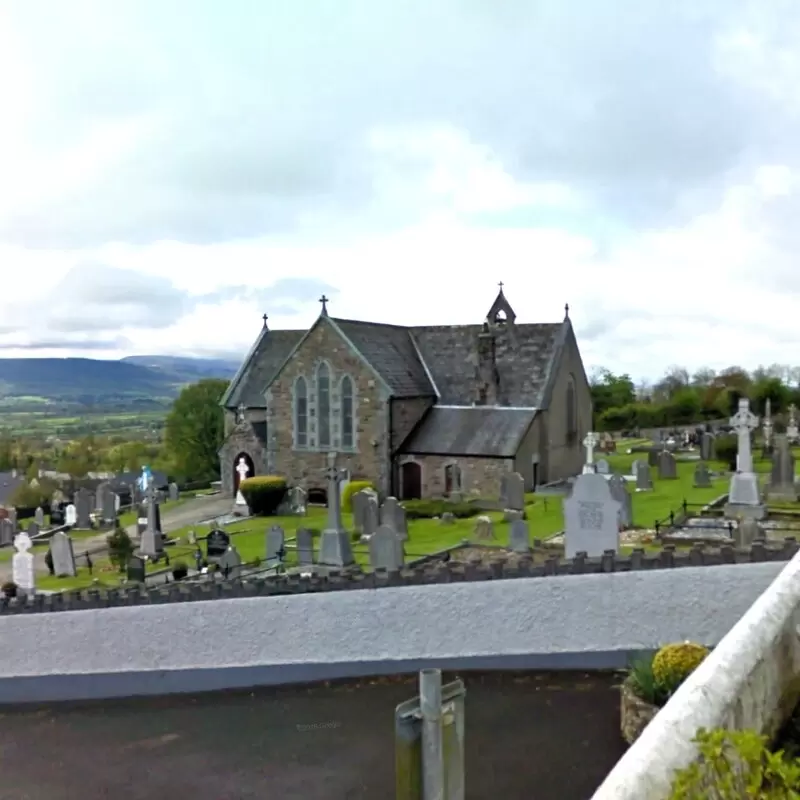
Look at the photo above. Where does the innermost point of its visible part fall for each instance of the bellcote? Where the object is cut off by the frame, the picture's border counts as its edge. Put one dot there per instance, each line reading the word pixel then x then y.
pixel 501 312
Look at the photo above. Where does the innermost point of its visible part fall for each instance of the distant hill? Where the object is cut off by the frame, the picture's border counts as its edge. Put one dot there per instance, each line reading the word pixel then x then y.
pixel 135 383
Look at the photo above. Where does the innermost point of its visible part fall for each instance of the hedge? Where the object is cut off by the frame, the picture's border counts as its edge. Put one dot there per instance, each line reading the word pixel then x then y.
pixel 264 493
pixel 427 509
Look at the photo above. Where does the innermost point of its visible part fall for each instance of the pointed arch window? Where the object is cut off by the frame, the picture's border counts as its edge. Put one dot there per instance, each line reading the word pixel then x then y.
pixel 452 479
pixel 572 415
pixel 301 412
pixel 324 405
pixel 348 441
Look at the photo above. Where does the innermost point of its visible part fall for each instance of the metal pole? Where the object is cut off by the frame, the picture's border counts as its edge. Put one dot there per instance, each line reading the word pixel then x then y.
pixel 430 703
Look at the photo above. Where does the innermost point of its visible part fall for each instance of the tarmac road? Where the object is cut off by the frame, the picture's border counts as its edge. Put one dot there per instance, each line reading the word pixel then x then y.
pixel 540 736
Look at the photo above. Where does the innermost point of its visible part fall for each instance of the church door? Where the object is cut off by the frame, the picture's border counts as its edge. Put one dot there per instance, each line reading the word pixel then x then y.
pixel 411 480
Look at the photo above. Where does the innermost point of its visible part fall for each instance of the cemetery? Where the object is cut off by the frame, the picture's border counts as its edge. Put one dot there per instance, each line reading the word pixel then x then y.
pixel 662 535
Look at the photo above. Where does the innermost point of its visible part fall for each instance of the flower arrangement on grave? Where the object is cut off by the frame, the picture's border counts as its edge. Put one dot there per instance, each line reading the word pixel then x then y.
pixel 652 680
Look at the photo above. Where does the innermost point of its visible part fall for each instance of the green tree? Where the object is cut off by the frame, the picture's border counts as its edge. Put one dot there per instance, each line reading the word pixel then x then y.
pixel 611 391
pixel 194 430
pixel 120 548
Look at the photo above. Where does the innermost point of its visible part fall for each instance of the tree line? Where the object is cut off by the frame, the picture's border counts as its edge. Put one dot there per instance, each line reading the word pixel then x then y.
pixel 681 398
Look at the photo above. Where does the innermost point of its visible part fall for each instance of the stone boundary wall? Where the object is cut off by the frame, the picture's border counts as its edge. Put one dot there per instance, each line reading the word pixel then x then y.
pixel 587 622
pixel 750 681
pixel 501 567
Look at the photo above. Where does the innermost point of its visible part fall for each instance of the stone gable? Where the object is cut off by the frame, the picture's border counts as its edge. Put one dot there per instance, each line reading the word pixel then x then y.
pixel 305 466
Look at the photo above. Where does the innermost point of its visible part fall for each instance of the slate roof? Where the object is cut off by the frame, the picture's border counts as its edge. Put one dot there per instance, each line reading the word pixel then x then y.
pixel 8 484
pixel 470 431
pixel 523 362
pixel 391 352
pixel 267 356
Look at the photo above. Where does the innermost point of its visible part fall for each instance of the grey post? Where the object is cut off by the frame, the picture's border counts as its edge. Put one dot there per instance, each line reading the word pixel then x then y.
pixel 430 704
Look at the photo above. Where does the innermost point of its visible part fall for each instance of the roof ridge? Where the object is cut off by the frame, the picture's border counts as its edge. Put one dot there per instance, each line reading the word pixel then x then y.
pixel 367 322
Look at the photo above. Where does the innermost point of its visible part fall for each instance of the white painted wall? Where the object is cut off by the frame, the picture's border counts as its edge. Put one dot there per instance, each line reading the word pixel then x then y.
pixel 750 681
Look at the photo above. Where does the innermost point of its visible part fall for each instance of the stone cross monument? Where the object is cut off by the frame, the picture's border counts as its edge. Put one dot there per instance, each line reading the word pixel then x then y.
pixel 22 566
pixel 744 498
pixel 243 471
pixel 792 432
pixel 334 543
pixel 767 425
pixel 590 442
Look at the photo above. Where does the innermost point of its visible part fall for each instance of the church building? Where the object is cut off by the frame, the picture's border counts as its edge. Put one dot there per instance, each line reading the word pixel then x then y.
pixel 424 411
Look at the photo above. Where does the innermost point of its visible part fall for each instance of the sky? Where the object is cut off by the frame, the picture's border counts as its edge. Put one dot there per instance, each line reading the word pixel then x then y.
pixel 170 170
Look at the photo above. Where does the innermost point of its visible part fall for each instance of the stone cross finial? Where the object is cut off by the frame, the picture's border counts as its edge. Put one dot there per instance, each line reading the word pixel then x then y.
pixel 324 300
pixel 590 442
pixel 566 310
pixel 240 412
pixel 743 422
pixel 265 318
pixel 501 284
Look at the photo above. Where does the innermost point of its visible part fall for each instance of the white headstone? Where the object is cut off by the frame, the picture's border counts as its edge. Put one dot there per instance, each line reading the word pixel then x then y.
pixel 590 442
pixel 70 514
pixel 243 471
pixel 591 517
pixel 22 564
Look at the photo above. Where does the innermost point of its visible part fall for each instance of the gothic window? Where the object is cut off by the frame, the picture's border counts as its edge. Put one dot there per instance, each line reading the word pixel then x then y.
pixel 324 405
pixel 347 413
pixel 452 478
pixel 300 412
pixel 572 414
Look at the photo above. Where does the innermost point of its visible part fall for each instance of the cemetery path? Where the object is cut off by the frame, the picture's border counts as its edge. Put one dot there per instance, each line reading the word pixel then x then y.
pixel 552 736
pixel 193 511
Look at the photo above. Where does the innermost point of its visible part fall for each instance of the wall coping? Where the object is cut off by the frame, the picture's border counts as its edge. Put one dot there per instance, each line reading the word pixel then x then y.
pixel 584 622
pixel 743 684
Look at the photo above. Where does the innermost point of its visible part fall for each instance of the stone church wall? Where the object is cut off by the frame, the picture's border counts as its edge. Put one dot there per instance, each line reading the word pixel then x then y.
pixel 306 466
pixel 479 476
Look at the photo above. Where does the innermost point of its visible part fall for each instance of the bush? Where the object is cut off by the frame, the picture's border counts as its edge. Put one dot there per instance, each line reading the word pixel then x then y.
pixel 264 493
pixel 643 682
pixel 736 764
pixel 180 571
pixel 673 664
pixel 427 509
pixel 726 448
pixel 120 548
pixel 9 589
pixel 351 489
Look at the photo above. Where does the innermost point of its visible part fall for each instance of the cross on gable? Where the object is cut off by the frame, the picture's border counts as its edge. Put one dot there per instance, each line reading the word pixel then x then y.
pixel 324 300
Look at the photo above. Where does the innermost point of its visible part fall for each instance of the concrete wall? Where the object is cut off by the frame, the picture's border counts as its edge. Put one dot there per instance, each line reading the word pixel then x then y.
pixel 570 622
pixel 750 681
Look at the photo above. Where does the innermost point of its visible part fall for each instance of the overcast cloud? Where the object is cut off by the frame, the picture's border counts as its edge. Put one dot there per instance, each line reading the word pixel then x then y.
pixel 170 171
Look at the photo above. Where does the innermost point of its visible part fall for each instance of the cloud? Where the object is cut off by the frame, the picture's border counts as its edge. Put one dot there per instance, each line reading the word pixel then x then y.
pixel 168 184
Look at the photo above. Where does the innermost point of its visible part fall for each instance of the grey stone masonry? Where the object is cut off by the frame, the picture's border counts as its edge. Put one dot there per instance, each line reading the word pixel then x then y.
pixel 431 570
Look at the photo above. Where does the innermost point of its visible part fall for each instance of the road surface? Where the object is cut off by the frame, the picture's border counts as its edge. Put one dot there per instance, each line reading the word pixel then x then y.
pixel 546 737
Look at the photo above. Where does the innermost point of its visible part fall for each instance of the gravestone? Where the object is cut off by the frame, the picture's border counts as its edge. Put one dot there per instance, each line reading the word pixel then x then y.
pixel 484 528
pixel 98 496
pixel 276 541
pixel 298 501
pixel 591 518
pixel 109 503
pixel 358 501
pixel 512 491
pixel 619 491
pixel 305 547
pixel 702 476
pixel 70 515
pixel 6 533
pixel 602 467
pixel 12 515
pixel 644 479
pixel 217 543
pixel 746 532
pixel 635 466
pixel 394 515
pixel 744 497
pixel 386 549
pixel 38 516
pixel 792 432
pixel 243 470
pixel 151 543
pixel 83 509
pixel 22 564
pixel 667 467
pixel 63 555
pixel 136 571
pixel 371 515
pixel 447 518
pixel 33 529
pixel 519 537
pixel 782 477
pixel 707 442
pixel 590 442
pixel 652 456
pixel 230 564
pixel 174 492
pixel 334 545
